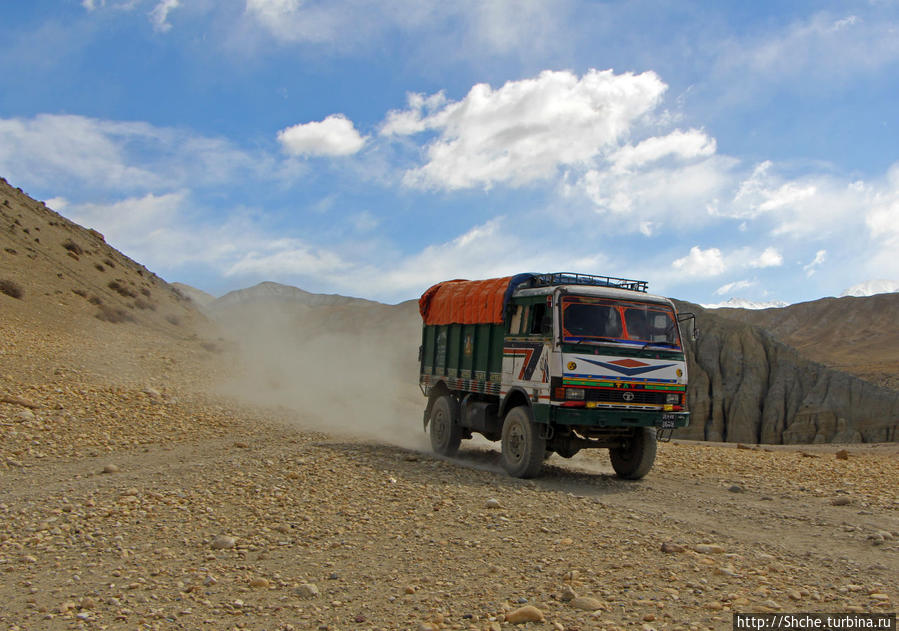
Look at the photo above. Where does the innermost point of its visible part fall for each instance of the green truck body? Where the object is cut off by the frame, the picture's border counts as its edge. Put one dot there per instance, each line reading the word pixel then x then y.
pixel 552 363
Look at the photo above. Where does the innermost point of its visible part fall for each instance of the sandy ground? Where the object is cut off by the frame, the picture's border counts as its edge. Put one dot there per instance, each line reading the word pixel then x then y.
pixel 132 496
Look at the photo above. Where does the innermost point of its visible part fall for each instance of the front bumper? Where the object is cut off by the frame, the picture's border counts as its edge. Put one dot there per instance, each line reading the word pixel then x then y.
pixel 609 417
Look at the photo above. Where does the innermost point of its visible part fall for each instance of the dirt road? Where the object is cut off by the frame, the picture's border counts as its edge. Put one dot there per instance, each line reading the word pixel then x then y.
pixel 212 515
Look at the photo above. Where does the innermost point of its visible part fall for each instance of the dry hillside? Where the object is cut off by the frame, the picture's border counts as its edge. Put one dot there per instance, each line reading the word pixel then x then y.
pixel 139 489
pixel 858 335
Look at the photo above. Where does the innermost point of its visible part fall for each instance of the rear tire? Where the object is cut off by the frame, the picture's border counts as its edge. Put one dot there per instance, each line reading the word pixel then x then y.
pixel 445 433
pixel 522 448
pixel 634 461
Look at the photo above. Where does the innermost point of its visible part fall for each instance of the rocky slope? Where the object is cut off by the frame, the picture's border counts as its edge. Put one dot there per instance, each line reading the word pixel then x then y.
pixel 858 335
pixel 746 386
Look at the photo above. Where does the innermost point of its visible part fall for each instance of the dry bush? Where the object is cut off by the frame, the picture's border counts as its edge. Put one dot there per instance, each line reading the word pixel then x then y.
pixel 120 289
pixel 100 267
pixel 140 303
pixel 109 263
pixel 73 247
pixel 145 291
pixel 113 315
pixel 11 289
pixel 79 292
pixel 95 300
pixel 173 319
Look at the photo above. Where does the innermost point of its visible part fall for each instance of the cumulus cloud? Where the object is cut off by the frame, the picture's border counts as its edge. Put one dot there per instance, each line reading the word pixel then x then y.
pixel 769 258
pixel 701 262
pixel 681 144
pixel 334 136
pixel 525 130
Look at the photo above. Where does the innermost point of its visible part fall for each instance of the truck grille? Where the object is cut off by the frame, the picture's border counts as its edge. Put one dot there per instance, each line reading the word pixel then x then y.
pixel 641 397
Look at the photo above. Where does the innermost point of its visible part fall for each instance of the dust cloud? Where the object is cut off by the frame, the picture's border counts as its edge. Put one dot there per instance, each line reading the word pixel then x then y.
pixel 349 369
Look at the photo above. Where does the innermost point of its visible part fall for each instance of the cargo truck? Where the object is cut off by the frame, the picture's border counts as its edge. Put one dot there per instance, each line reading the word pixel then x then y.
pixel 553 363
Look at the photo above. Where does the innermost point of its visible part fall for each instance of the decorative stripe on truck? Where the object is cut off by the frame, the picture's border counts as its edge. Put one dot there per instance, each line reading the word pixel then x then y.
pixel 465 385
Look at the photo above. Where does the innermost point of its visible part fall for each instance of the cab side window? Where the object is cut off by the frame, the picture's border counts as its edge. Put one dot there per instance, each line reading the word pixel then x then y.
pixel 541 319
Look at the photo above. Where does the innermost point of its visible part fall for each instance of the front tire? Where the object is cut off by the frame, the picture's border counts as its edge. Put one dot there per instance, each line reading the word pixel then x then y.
pixel 635 459
pixel 445 433
pixel 522 446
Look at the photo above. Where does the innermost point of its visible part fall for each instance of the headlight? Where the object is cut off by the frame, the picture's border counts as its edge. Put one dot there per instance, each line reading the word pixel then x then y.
pixel 574 394
pixel 672 398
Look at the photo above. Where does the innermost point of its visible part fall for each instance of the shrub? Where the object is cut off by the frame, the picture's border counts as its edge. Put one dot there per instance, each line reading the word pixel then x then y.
pixel 120 289
pixel 73 247
pixel 140 303
pixel 173 319
pixel 110 314
pixel 79 292
pixel 100 267
pixel 11 289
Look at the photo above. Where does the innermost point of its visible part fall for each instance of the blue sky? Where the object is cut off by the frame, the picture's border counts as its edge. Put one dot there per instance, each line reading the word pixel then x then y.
pixel 372 148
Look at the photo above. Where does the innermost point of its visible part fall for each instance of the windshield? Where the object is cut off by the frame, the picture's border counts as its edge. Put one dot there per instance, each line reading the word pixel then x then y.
pixel 588 318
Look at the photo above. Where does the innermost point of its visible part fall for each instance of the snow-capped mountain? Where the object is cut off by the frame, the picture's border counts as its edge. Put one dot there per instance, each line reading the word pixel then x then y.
pixel 872 287
pixel 742 303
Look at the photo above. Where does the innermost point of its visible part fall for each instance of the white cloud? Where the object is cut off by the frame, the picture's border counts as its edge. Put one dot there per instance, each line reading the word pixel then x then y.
pixel 681 144
pixel 53 151
pixel 160 14
pixel 701 262
pixel 334 136
pixel 769 258
pixel 811 268
pixel 525 130
pixel 91 5
pixel 735 286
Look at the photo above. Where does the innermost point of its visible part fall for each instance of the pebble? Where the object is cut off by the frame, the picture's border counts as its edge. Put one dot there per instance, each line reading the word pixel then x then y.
pixel 735 488
pixel 259 583
pixel 528 613
pixel 842 454
pixel 671 547
pixel 840 501
pixel 492 503
pixel 110 468
pixel 587 603
pixel 307 590
pixel 709 548
pixel 223 542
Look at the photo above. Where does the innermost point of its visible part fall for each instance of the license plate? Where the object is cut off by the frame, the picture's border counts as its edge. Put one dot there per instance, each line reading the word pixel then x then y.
pixel 668 421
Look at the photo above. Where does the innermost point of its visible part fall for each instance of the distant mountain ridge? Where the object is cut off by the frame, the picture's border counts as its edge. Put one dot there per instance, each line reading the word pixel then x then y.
pixel 270 291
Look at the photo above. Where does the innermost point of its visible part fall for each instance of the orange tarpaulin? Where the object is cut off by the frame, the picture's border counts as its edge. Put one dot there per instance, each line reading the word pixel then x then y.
pixel 465 301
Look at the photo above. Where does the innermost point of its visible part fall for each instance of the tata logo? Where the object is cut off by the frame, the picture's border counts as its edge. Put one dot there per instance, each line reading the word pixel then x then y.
pixel 627 396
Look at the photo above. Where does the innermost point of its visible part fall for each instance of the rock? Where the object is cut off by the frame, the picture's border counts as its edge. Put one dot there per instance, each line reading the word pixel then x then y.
pixel 427 626
pixel 567 594
pixel 528 613
pixel 840 501
pixel 735 488
pixel 307 590
pixel 709 548
pixel 110 468
pixel 24 416
pixel 586 603
pixel 20 401
pixel 672 548
pixel 492 503
pixel 223 542
pixel 259 583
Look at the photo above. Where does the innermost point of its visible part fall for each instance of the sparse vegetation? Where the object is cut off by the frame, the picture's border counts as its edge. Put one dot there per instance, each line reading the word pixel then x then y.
pixel 11 289
pixel 173 320
pixel 79 292
pixel 95 300
pixel 109 263
pixel 119 288
pixel 11 251
pixel 73 247
pixel 100 267
pixel 145 291
pixel 140 303
pixel 113 315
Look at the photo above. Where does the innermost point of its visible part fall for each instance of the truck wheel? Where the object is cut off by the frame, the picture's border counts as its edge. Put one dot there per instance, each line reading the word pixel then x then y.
pixel 634 461
pixel 523 448
pixel 446 435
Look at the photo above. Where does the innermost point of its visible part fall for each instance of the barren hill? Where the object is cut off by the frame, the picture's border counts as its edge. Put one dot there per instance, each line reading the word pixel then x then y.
pixel 858 335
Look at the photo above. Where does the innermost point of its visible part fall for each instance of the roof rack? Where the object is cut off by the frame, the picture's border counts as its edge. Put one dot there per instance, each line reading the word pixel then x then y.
pixel 568 278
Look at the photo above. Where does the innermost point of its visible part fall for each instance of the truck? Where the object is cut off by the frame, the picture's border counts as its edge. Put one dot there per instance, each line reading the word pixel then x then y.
pixel 553 363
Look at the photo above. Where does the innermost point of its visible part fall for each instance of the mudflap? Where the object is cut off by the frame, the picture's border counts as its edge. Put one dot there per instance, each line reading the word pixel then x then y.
pixel 664 435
